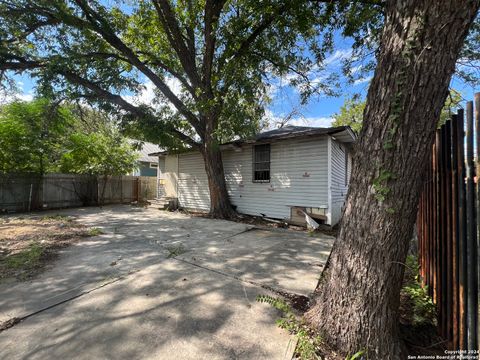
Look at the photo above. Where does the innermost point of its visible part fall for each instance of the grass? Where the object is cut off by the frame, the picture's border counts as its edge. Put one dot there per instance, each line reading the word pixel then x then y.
pixel 95 231
pixel 422 308
pixel 25 259
pixel 308 342
pixel 23 263
pixel 28 244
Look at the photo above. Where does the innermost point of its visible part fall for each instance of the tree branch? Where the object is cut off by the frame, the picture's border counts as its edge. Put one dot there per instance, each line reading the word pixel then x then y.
pixel 258 30
pixel 97 90
pixel 176 40
pixel 121 102
pixel 104 29
pixel 213 8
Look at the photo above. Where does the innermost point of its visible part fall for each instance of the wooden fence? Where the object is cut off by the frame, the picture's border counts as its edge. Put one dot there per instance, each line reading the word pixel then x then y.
pixel 448 224
pixel 27 192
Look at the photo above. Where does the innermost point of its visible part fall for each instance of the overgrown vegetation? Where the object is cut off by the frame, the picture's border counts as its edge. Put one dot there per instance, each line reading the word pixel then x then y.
pixel 308 342
pixel 418 315
pixel 415 295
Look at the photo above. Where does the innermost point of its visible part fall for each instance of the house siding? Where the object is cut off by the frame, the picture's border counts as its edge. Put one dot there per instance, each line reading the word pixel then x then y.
pixel 338 183
pixel 299 177
pixel 193 192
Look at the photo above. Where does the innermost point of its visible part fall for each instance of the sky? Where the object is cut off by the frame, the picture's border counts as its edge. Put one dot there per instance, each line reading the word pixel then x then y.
pixel 318 112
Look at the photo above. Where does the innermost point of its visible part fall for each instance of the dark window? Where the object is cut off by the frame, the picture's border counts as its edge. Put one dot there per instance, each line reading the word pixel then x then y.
pixel 261 163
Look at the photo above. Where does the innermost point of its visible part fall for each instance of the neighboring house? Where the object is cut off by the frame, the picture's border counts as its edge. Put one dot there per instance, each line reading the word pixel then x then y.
pixel 279 174
pixel 147 164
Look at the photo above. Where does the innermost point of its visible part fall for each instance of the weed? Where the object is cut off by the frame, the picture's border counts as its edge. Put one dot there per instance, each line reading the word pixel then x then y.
pixel 27 258
pixel 174 251
pixel 423 310
pixel 357 356
pixel 95 231
pixel 21 264
pixel 308 342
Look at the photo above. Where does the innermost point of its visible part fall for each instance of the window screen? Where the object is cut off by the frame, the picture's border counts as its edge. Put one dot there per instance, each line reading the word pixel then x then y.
pixel 261 163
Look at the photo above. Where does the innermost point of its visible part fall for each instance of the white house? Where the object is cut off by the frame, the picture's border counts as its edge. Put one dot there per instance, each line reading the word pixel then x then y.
pixel 278 174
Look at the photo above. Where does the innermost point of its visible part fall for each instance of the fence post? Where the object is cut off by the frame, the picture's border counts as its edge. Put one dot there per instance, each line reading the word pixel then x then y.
pixel 462 225
pixel 449 234
pixel 471 237
pixel 477 193
pixel 455 232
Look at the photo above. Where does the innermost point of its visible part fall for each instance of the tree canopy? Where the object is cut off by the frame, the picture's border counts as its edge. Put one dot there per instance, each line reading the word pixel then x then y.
pixel 41 136
pixel 32 136
pixel 351 112
pixel 97 154
pixel 206 59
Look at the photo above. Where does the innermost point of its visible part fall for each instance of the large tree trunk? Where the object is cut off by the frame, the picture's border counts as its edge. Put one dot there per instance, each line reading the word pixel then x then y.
pixel 220 206
pixel 358 298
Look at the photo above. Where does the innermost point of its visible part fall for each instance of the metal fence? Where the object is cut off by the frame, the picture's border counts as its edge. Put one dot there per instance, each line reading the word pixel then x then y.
pixel 448 223
pixel 27 192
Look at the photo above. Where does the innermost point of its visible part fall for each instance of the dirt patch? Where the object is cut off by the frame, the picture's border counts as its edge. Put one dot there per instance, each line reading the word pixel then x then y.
pixel 28 244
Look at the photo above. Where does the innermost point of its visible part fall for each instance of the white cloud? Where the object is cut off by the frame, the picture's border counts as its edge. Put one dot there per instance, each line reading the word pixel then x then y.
pixel 356 69
pixel 337 57
pixel 362 80
pixel 147 95
pixel 8 98
pixel 312 121
pixel 275 119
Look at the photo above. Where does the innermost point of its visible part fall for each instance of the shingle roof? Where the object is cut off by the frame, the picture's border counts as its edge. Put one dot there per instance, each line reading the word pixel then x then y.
pixel 146 149
pixel 293 131
pixel 342 133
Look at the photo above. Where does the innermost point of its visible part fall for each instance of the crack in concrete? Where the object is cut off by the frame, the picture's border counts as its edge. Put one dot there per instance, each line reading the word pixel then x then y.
pixel 5 325
pixel 16 320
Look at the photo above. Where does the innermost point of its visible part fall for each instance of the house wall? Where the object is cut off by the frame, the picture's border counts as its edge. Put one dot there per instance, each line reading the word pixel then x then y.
pixel 168 175
pixel 144 169
pixel 299 177
pixel 193 192
pixel 160 177
pixel 340 176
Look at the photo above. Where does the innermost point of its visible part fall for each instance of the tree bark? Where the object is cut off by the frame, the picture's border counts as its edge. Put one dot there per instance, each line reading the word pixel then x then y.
pixel 220 206
pixel 357 301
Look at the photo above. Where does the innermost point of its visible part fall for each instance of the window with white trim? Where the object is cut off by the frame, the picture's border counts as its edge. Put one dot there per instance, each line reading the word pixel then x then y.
pixel 261 163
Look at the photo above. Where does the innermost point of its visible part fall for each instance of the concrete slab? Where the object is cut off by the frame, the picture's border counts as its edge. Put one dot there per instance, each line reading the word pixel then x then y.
pixel 154 306
pixel 168 310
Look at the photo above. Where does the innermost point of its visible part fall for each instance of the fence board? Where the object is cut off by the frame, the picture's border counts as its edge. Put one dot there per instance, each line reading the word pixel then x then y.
pixel 448 222
pixel 26 192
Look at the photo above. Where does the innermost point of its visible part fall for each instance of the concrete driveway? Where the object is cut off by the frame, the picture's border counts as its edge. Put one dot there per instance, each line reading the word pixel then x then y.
pixel 159 285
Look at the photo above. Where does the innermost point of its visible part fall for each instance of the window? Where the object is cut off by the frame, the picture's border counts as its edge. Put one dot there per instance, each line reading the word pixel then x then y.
pixel 261 163
pixel 153 165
